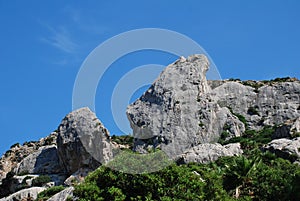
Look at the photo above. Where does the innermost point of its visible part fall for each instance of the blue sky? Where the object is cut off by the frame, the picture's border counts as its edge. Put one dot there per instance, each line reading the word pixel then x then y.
pixel 43 44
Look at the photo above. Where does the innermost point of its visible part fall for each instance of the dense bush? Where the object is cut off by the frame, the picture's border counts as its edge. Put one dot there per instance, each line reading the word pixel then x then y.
pixel 256 175
pixel 123 139
pixel 46 194
pixel 41 180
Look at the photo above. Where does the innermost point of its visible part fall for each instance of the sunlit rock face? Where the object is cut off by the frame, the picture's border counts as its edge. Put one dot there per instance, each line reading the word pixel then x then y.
pixel 178 111
pixel 82 141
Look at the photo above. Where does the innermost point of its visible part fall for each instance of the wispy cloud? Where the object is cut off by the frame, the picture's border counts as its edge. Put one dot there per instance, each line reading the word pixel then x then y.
pixel 60 39
pixel 84 23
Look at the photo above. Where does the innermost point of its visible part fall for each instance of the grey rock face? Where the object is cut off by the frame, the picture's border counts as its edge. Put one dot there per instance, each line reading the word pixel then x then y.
pixel 17 153
pixel 29 193
pixel 63 195
pixel 44 160
pixel 289 129
pixel 82 141
pixel 178 111
pixel 270 104
pixel 205 153
pixel 285 148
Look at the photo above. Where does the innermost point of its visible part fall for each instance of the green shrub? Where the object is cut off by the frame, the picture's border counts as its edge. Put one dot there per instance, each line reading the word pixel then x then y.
pixel 10 174
pixel 15 145
pixel 46 194
pixel 25 179
pixel 41 180
pixel 201 124
pixel 49 140
pixel 123 139
pixel 7 153
pixel 25 172
pixel 252 111
pixel 234 79
pixel 282 79
pixel 254 176
pixel 239 116
pixel 252 139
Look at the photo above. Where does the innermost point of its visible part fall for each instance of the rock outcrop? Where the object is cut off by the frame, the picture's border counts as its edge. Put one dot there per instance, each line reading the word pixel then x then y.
pixel 82 141
pixel 182 114
pixel 182 109
pixel 63 195
pixel 288 129
pixel 261 103
pixel 25 194
pixel 78 147
pixel 43 161
pixel 177 112
pixel 285 148
pixel 11 159
pixel 205 153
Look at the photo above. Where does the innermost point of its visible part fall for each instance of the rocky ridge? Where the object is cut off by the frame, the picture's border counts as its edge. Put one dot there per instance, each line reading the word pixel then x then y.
pixel 182 114
pixel 182 109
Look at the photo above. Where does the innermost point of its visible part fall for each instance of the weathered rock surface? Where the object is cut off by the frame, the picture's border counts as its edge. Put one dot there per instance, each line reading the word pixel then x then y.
pixel 25 194
pixel 261 103
pixel 79 146
pixel 82 141
pixel 43 161
pixel 289 129
pixel 205 153
pixel 178 112
pixel 63 195
pixel 10 160
pixel 285 148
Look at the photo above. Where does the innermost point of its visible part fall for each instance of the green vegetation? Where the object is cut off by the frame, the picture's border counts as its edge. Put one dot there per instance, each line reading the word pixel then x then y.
pixel 15 145
pixel 49 141
pixel 234 80
pixel 25 172
pixel 239 116
pixel 281 79
pixel 201 124
pixel 46 194
pixel 123 139
pixel 252 139
pixel 256 175
pixel 41 180
pixel 254 84
pixel 252 111
pixel 224 134
pixel 130 162
pixel 7 153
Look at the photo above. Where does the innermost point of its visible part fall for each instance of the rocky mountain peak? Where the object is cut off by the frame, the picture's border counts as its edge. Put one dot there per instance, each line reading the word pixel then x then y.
pixel 178 112
pixel 182 113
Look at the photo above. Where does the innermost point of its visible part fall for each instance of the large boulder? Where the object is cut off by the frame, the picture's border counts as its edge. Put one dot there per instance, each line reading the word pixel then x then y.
pixel 285 148
pixel 82 141
pixel 178 112
pixel 206 153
